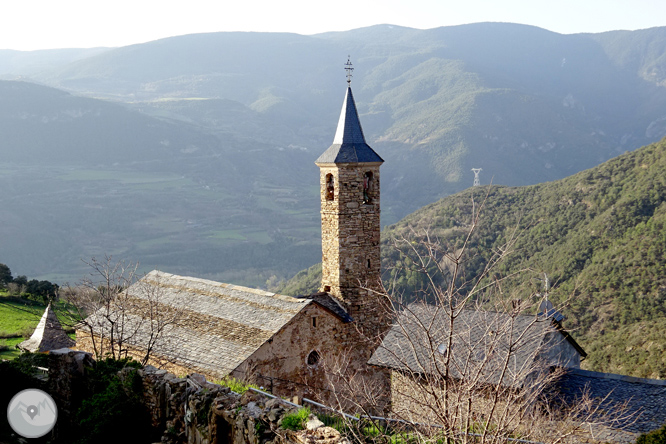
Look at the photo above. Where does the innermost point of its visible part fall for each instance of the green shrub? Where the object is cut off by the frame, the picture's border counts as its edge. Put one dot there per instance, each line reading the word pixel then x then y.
pixel 335 421
pixel 27 362
pixel 654 437
pixel 236 385
pixel 204 411
pixel 119 403
pixel 114 400
pixel 16 375
pixel 296 420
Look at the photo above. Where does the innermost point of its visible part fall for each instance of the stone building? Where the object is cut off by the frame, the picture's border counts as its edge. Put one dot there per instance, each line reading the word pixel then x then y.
pixel 49 335
pixel 415 348
pixel 420 338
pixel 644 400
pixel 280 342
pixel 485 349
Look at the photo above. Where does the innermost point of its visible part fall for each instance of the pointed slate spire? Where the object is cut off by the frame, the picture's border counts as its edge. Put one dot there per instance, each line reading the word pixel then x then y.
pixel 48 335
pixel 349 142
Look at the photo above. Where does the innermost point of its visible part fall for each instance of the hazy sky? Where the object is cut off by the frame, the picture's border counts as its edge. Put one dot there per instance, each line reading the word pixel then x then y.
pixel 39 24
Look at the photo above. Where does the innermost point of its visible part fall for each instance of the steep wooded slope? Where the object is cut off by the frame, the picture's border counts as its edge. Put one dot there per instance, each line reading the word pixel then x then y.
pixel 600 235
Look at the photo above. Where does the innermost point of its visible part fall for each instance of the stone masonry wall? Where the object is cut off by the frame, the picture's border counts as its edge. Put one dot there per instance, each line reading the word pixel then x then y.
pixel 190 410
pixel 351 232
pixel 281 364
pixel 351 263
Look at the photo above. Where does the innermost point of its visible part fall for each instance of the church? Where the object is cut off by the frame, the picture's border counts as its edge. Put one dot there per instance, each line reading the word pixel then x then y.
pixel 292 345
pixel 280 342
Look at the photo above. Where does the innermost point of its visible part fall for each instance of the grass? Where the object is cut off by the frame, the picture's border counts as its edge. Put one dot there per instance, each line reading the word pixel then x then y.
pixel 296 420
pixel 16 316
pixel 236 385
pixel 16 319
pixel 227 235
pixel 124 177
pixel 152 243
pixel 261 237
pixel 8 348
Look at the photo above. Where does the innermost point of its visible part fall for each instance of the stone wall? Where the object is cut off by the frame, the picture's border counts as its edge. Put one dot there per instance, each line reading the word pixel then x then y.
pixel 189 410
pixel 194 411
pixel 99 346
pixel 284 364
pixel 351 232
pixel 281 363
pixel 556 350
pixel 67 383
pixel 351 264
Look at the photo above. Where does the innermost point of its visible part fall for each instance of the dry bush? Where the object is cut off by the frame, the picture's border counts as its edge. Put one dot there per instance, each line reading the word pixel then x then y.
pixel 468 362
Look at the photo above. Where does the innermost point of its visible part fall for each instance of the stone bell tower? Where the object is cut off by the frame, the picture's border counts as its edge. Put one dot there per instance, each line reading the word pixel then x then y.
pixel 349 184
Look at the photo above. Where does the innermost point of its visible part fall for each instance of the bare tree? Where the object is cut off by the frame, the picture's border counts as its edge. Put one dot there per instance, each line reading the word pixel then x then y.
pixel 467 361
pixel 121 315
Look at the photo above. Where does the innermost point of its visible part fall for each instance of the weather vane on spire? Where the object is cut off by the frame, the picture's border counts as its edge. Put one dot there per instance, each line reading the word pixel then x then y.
pixel 349 69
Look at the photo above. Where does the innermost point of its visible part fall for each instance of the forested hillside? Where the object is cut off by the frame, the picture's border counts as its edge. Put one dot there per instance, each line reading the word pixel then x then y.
pixel 600 235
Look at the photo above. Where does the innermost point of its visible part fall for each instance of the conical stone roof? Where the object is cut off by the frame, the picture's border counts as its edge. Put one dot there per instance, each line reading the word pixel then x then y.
pixel 48 335
pixel 349 144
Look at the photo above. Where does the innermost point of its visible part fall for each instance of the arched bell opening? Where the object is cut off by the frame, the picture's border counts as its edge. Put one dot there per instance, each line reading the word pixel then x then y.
pixel 330 187
pixel 368 187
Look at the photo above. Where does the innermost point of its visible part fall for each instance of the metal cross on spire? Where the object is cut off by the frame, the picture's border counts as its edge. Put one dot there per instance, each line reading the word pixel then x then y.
pixel 349 69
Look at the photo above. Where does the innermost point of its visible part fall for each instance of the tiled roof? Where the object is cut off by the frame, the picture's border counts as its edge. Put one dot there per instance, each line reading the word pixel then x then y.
pixel 220 325
pixel 418 342
pixel 646 398
pixel 349 144
pixel 48 335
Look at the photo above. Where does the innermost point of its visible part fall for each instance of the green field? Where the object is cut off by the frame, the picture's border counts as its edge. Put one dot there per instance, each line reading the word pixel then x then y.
pixel 260 237
pixel 8 348
pixel 124 177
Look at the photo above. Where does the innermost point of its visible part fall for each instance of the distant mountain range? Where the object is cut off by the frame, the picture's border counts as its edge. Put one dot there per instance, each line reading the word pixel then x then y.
pixel 194 154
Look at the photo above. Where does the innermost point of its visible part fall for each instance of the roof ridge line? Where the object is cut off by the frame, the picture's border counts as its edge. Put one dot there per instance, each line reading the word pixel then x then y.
pixel 616 377
pixel 150 277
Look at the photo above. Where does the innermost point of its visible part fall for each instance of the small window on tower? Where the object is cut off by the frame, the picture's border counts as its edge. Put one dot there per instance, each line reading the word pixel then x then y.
pixel 368 263
pixel 330 187
pixel 367 187
pixel 314 321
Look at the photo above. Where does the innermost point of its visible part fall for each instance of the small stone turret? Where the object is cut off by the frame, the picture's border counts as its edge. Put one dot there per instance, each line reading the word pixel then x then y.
pixel 49 335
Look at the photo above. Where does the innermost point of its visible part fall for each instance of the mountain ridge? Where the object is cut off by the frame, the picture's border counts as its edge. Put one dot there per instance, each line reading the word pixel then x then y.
pixel 229 125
